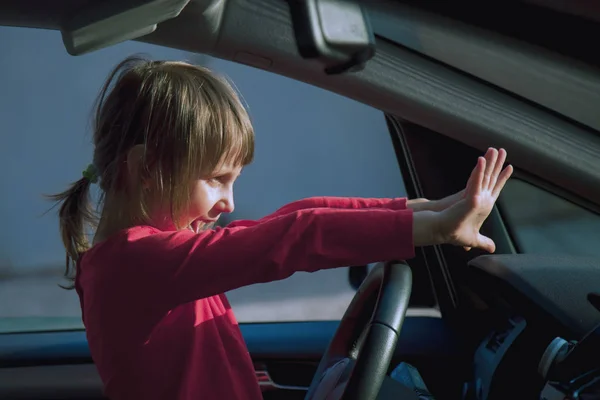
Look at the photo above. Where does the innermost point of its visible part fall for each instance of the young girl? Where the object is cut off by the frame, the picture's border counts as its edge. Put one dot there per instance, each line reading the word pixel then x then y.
pixel 170 141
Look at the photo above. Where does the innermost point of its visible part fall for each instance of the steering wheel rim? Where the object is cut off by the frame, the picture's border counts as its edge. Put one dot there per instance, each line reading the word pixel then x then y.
pixel 363 345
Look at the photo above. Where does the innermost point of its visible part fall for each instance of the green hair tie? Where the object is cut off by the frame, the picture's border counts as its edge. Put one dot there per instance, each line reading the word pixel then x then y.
pixel 90 173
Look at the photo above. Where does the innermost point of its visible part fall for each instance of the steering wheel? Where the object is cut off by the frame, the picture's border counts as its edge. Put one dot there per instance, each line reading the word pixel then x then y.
pixel 358 357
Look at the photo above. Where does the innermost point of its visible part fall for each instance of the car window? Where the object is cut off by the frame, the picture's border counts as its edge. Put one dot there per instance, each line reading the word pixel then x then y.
pixel 310 142
pixel 544 223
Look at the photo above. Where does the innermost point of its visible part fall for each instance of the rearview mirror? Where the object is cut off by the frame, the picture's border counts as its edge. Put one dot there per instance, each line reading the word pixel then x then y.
pixel 337 33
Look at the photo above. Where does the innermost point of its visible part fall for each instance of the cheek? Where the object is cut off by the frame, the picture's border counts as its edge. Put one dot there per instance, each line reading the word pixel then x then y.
pixel 203 197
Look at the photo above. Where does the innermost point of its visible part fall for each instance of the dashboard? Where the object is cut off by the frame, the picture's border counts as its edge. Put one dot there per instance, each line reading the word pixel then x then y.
pixel 531 301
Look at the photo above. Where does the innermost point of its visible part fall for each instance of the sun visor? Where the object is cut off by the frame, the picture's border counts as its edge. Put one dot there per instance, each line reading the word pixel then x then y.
pixel 105 23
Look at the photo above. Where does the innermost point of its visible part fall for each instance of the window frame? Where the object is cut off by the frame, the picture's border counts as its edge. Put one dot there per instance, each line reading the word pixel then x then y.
pixel 430 258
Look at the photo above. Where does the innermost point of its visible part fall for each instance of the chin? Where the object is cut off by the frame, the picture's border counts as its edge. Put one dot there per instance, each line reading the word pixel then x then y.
pixel 199 225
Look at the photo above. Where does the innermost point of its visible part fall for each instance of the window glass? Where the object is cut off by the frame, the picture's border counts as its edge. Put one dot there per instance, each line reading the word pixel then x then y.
pixel 310 142
pixel 543 223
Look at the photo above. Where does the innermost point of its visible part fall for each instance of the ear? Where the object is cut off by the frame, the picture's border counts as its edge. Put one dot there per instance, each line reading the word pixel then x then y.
pixel 135 162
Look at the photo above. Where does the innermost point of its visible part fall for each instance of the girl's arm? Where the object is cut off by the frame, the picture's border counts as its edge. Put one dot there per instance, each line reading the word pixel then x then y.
pixel 352 203
pixel 183 266
pixel 422 204
pixel 348 203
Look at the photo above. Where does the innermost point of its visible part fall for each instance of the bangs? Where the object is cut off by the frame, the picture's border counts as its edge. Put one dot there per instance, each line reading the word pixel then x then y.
pixel 235 138
pixel 222 129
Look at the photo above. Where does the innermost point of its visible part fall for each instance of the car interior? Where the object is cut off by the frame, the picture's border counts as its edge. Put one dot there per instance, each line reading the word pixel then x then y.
pixel 453 78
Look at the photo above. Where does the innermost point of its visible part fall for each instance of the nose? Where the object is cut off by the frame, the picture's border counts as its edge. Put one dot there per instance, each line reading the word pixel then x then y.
pixel 226 205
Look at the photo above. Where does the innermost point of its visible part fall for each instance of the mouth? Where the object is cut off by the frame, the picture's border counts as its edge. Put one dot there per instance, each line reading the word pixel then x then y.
pixel 199 224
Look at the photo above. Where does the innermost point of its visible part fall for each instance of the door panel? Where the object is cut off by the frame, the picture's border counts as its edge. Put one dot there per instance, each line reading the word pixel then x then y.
pixel 285 356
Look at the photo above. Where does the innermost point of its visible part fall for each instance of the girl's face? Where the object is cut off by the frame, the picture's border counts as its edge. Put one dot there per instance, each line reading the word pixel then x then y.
pixel 211 197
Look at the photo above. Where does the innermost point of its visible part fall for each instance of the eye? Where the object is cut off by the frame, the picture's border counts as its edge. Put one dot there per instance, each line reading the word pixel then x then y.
pixel 218 180
pixel 222 179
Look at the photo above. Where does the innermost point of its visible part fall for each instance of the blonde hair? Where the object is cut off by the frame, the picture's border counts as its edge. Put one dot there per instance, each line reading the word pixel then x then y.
pixel 189 122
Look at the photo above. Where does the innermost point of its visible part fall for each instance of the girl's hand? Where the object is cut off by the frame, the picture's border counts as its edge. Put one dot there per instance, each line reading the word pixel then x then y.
pixel 460 222
pixel 448 201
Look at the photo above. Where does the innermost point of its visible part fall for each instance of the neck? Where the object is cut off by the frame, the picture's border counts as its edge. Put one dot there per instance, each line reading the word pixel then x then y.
pixel 118 214
pixel 115 217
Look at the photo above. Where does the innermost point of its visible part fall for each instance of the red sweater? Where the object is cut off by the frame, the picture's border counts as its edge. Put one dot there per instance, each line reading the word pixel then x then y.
pixel 157 320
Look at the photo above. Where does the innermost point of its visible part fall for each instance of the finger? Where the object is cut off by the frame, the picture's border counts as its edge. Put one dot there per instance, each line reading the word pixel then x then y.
pixel 474 182
pixel 477 177
pixel 502 179
pixel 490 156
pixel 497 168
pixel 485 243
pixel 467 248
pixel 470 182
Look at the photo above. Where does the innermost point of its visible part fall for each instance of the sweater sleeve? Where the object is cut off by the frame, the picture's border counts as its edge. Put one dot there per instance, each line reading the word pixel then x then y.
pixel 347 203
pixel 185 266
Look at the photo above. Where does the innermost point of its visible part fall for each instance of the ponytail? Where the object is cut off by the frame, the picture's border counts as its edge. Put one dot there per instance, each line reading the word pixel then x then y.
pixel 75 215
